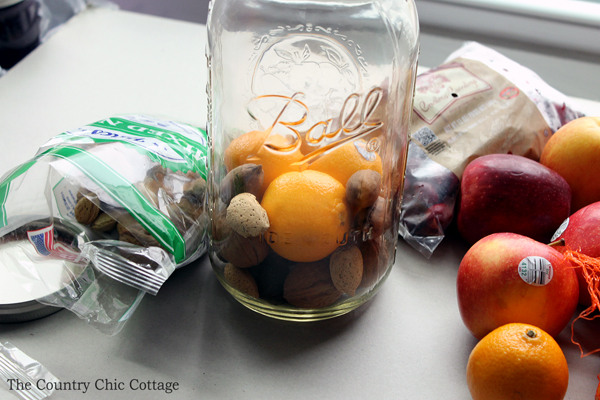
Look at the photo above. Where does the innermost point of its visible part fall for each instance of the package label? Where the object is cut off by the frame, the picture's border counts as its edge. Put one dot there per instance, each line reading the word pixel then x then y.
pixel 440 88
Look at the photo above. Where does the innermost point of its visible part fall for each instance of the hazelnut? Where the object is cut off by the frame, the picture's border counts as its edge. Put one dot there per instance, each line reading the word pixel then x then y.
pixel 195 190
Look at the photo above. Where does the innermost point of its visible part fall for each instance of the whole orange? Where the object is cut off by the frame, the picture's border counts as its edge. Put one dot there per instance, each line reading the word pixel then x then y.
pixel 242 147
pixel 308 215
pixel 598 390
pixel 262 148
pixel 517 361
pixel 342 162
pixel 573 151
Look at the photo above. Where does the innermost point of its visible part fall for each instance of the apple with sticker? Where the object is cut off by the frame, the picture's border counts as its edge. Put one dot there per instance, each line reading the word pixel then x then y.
pixel 506 278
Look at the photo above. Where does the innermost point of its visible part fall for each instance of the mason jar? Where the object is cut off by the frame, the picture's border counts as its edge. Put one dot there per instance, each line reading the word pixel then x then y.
pixel 309 106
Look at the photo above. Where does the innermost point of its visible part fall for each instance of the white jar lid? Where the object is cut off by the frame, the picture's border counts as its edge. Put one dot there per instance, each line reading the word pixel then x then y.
pixel 26 278
pixel 16 303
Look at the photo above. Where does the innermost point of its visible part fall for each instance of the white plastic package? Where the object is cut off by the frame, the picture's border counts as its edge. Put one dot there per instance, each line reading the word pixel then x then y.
pixel 477 102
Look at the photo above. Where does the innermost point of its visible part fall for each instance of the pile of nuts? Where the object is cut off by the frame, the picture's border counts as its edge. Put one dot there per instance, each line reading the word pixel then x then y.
pixel 253 268
pixel 161 187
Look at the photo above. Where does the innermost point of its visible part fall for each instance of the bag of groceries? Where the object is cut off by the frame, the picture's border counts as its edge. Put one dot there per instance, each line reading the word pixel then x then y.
pixel 104 214
pixel 478 102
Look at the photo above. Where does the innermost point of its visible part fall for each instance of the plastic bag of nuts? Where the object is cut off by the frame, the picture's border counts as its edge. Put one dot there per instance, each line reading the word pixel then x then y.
pixel 131 190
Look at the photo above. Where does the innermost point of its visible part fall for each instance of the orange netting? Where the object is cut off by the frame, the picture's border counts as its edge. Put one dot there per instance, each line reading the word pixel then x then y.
pixel 590 268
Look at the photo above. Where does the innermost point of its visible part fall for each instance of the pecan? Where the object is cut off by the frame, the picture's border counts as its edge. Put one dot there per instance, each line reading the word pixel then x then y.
pixel 247 178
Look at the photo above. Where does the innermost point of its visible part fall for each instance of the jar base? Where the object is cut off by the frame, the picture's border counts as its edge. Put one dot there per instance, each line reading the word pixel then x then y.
pixel 296 314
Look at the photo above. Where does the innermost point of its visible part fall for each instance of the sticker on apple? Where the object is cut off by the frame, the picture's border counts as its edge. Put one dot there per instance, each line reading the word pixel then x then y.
pixel 536 270
pixel 560 230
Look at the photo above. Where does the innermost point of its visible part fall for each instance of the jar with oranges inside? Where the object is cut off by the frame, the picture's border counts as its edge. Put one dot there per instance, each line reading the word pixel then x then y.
pixel 308 118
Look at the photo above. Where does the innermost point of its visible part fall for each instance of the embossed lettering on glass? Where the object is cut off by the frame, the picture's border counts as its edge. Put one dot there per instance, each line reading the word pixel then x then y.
pixel 309 107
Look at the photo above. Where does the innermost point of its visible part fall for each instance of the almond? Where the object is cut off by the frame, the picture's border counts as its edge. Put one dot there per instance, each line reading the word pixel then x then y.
pixel 346 268
pixel 241 280
pixel 246 216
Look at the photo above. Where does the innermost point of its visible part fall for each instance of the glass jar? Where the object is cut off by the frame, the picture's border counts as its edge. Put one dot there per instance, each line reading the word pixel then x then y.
pixel 308 118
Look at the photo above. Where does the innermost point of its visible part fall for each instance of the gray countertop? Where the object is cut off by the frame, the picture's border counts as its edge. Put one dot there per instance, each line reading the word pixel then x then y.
pixel 408 342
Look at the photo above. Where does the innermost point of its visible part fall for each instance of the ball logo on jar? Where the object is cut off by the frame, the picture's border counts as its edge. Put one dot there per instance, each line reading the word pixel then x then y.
pixel 308 88
pixel 354 122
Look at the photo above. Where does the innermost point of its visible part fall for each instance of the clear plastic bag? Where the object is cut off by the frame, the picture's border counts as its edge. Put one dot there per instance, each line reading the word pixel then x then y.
pixel 23 376
pixel 114 207
pixel 478 102
pixel 429 197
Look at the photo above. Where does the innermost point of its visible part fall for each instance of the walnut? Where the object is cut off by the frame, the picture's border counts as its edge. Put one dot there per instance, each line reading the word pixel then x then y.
pixel 309 285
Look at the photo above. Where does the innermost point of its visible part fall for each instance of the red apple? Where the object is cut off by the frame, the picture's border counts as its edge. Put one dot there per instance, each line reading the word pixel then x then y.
pixel 492 291
pixel 509 193
pixel 581 232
